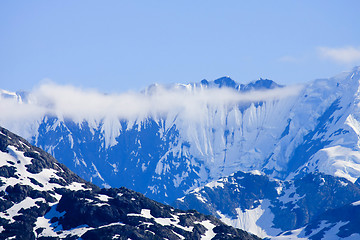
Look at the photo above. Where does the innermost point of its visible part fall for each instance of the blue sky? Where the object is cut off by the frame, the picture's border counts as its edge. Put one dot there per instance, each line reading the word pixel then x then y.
pixel 116 46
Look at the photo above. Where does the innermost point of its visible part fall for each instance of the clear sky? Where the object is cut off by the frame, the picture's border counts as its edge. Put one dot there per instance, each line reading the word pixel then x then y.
pixel 116 46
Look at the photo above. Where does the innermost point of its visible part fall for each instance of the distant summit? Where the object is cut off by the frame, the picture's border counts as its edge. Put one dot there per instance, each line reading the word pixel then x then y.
pixel 225 81
pixel 261 84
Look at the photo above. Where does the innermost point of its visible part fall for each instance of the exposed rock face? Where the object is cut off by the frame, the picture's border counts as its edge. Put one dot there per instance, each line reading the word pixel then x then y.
pixel 42 199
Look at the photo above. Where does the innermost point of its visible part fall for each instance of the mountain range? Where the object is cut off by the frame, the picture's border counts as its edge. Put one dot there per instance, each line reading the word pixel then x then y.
pixel 285 158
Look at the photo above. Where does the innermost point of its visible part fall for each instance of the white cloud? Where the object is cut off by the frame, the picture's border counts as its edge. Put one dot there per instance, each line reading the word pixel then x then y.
pixel 341 55
pixel 79 105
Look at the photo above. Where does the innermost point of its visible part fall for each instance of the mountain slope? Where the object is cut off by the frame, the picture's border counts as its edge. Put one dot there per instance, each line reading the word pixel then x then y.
pixel 41 198
pixel 339 223
pixel 329 136
pixel 269 207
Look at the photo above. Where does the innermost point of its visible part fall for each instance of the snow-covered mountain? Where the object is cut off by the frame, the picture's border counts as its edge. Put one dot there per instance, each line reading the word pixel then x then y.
pixel 40 198
pixel 195 137
pixel 169 140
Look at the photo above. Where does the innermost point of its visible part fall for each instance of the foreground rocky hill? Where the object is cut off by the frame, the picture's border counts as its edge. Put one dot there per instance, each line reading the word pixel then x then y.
pixel 42 199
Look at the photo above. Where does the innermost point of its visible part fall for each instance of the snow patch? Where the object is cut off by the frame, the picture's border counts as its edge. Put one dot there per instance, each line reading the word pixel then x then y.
pixel 209 234
pixel 257 220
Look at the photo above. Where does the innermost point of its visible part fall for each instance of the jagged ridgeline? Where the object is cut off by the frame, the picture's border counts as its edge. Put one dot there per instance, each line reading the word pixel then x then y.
pixel 40 198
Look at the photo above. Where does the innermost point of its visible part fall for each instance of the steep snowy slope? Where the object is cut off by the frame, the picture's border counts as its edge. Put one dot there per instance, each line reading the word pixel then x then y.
pixel 40 198
pixel 323 131
pixel 170 140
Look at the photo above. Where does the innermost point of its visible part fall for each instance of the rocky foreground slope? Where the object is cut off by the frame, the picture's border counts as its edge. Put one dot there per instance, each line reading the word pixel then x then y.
pixel 42 199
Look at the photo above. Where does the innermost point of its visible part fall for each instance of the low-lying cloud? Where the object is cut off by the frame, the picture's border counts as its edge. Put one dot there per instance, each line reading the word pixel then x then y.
pixel 345 55
pixel 66 101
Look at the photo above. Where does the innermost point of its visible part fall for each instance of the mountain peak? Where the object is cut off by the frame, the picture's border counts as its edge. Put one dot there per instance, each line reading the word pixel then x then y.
pixel 260 84
pixel 225 81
